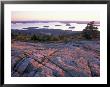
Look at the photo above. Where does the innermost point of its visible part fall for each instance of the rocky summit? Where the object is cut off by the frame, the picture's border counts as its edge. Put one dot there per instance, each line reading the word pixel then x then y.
pixel 71 59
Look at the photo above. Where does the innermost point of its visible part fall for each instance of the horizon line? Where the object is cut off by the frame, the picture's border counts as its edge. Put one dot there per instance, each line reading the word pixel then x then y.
pixel 53 20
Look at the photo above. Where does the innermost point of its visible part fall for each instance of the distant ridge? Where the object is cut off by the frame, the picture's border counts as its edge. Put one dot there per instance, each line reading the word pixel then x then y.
pixel 43 31
pixel 79 22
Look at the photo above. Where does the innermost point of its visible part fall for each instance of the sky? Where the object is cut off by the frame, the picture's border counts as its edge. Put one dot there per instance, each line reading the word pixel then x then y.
pixel 55 15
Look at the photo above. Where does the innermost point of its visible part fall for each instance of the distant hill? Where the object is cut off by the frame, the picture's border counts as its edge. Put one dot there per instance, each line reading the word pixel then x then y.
pixel 79 22
pixel 43 31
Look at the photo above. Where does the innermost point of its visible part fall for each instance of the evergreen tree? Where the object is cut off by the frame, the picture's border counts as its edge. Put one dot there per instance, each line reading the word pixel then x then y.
pixel 34 37
pixel 90 31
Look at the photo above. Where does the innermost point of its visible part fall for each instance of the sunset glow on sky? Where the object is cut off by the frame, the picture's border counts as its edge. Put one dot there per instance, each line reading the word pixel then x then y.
pixel 56 12
pixel 55 15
